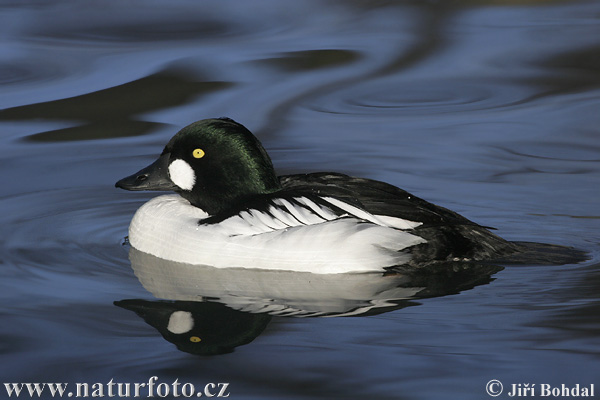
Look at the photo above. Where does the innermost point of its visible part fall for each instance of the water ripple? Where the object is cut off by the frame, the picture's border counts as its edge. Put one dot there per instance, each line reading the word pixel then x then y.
pixel 79 229
pixel 420 97
pixel 27 71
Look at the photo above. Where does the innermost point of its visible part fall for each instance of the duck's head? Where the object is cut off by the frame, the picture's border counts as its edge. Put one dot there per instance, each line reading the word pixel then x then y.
pixel 212 163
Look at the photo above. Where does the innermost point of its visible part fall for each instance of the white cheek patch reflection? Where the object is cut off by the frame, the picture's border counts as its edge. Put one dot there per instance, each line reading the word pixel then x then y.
pixel 182 174
pixel 180 322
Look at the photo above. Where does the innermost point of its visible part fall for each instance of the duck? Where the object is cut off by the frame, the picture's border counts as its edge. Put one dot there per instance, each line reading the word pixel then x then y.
pixel 230 209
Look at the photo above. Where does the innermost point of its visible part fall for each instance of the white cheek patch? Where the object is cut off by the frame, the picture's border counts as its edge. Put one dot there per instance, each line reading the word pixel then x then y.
pixel 180 322
pixel 182 174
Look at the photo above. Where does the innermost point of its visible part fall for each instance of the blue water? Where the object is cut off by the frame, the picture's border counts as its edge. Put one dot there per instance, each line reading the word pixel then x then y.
pixel 487 108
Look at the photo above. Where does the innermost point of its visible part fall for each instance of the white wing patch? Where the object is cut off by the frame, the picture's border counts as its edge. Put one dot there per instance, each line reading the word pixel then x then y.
pixel 323 212
pixel 298 211
pixel 381 220
pixel 282 214
pixel 304 215
pixel 398 223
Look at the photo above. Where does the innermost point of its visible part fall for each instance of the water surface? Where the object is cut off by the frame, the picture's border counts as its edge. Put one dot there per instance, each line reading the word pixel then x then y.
pixel 488 108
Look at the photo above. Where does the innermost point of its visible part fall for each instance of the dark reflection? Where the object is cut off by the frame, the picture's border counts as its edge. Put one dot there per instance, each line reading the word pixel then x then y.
pixel 213 310
pixel 531 253
pixel 203 328
pixel 111 112
pixel 580 317
pixel 572 71
pixel 300 61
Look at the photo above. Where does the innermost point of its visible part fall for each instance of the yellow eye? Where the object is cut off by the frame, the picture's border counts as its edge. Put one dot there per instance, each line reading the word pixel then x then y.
pixel 198 153
pixel 195 339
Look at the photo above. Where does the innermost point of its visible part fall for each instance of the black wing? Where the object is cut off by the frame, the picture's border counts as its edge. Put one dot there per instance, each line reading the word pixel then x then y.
pixel 376 197
pixel 292 207
pixel 449 235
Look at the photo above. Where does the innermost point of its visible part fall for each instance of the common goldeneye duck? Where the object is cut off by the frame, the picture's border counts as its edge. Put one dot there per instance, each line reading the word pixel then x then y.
pixel 231 210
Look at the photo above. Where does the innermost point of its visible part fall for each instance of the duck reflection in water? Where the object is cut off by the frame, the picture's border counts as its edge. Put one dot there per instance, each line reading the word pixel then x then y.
pixel 209 311
pixel 203 328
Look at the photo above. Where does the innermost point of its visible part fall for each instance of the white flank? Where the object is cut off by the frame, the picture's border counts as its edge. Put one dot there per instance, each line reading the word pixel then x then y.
pixel 180 322
pixel 182 174
pixel 168 227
